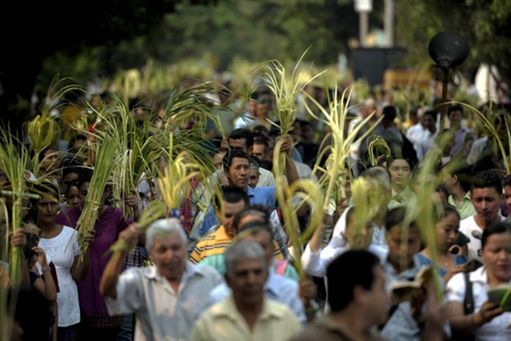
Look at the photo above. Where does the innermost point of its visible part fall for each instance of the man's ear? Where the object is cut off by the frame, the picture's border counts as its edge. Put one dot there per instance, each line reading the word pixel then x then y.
pixel 359 294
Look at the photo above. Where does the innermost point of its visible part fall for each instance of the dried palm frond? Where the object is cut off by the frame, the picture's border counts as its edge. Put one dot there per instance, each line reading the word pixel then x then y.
pixel 192 108
pixel 14 159
pixel 285 89
pixel 103 167
pixel 336 118
pixel 308 192
pixel 490 127
pixel 43 130
pixel 377 149
pixel 175 182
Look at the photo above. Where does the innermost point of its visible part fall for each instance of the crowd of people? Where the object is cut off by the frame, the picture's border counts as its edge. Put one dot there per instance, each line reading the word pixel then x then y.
pixel 231 270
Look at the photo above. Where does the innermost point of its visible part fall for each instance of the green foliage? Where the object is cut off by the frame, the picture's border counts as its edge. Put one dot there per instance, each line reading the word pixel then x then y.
pixel 251 30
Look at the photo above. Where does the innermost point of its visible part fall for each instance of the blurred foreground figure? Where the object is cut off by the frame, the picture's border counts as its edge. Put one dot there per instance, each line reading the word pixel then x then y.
pixel 247 314
pixel 359 302
pixel 166 298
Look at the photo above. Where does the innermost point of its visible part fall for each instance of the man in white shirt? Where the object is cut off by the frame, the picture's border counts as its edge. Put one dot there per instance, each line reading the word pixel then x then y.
pixel 425 141
pixel 166 298
pixel 485 195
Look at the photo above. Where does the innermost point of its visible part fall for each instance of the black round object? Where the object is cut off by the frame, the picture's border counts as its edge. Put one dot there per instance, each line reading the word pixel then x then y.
pixel 448 49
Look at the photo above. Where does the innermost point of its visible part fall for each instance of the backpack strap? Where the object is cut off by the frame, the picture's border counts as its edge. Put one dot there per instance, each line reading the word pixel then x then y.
pixel 468 302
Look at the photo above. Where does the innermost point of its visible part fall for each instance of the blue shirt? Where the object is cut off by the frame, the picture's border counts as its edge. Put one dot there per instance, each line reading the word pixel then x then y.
pixel 423 260
pixel 264 196
pixel 278 288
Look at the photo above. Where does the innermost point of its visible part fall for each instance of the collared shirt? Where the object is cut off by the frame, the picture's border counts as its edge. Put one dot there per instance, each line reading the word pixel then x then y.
pixel 498 327
pixel 278 288
pixel 223 322
pixel 266 178
pixel 425 142
pixel 210 249
pixel 161 313
pixel 415 132
pixel 465 207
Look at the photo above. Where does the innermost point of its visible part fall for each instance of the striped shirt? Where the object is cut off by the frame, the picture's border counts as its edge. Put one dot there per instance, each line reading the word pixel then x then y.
pixel 211 248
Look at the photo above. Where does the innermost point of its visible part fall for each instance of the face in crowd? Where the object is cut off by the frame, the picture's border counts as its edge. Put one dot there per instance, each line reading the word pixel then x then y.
pixel 238 172
pixel 486 202
pixel 169 255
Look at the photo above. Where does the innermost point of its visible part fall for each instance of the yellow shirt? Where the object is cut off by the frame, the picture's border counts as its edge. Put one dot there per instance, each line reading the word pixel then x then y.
pixel 223 322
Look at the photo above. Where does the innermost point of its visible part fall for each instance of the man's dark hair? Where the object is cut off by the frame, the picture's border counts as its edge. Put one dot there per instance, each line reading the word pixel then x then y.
pixel 261 139
pixel 230 155
pixel 260 91
pixel 431 113
pixel 487 179
pixel 454 108
pixel 464 175
pixel 232 195
pixel 260 130
pixel 242 133
pixel 351 269
pixel 266 164
pixel 69 168
pixel 85 175
pixel 497 228
pixel 389 113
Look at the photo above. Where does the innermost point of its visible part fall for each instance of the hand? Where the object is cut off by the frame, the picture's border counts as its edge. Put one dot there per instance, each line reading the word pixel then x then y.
pixel 307 291
pixel 488 311
pixel 287 144
pixel 41 256
pixel 18 238
pixel 131 234
pixel 89 237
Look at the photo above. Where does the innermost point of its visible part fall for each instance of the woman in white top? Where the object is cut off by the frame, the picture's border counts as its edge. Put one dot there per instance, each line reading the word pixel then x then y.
pixel 61 247
pixel 488 321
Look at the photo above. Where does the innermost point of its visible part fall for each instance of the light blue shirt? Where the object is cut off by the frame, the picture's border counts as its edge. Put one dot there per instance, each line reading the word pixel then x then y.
pixel 278 288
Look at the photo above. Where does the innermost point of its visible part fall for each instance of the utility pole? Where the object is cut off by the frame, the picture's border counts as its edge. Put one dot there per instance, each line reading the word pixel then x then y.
pixel 363 7
pixel 388 23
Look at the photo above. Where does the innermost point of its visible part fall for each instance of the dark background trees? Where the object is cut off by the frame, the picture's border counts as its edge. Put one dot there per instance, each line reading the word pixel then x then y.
pixel 83 39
